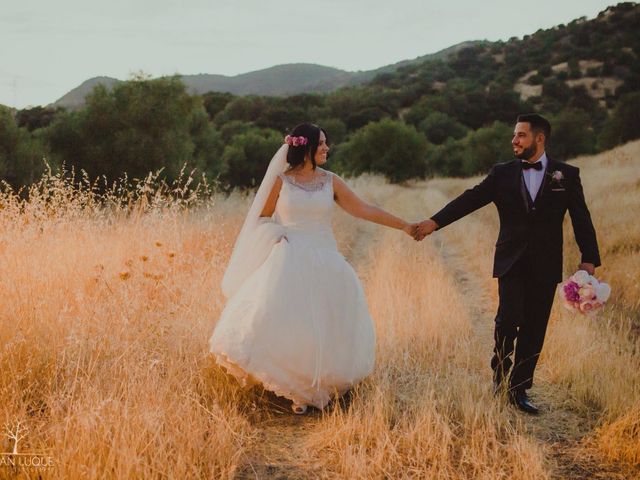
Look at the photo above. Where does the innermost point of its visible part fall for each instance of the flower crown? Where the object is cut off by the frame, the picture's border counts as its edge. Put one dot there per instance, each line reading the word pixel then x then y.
pixel 295 141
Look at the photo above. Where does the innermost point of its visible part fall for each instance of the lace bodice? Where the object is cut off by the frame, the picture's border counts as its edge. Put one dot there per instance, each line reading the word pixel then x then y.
pixel 318 182
pixel 306 206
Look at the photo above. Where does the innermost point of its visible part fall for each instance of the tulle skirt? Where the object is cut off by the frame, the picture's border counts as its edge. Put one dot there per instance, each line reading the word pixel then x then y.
pixel 299 324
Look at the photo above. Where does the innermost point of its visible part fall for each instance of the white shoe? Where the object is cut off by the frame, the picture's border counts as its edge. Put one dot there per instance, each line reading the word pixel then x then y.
pixel 299 409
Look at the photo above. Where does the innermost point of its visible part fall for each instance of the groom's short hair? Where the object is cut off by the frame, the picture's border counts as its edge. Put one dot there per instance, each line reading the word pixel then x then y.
pixel 538 123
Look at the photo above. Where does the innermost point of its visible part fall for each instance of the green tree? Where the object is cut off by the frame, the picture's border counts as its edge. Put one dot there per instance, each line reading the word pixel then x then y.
pixel 448 158
pixel 486 147
pixel 138 127
pixel 247 157
pixel 466 101
pixel 574 68
pixel 233 128
pixel 419 111
pixel 365 116
pixel 357 106
pixel 246 109
pixel 622 125
pixel 438 126
pixel 215 102
pixel 21 155
pixel 571 134
pixel 389 147
pixel 554 94
pixel 37 117
pixel 283 114
pixel 335 128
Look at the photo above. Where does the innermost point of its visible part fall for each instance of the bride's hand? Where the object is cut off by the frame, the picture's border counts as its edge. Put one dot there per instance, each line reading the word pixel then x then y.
pixel 411 229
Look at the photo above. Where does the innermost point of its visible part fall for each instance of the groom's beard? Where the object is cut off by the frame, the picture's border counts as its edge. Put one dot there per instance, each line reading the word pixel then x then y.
pixel 527 153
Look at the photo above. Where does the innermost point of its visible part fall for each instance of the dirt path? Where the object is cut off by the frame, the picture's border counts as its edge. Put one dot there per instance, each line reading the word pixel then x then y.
pixel 278 443
pixel 280 432
pixel 559 429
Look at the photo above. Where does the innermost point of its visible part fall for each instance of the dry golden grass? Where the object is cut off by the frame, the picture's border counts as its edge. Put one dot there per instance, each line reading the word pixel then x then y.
pixel 106 314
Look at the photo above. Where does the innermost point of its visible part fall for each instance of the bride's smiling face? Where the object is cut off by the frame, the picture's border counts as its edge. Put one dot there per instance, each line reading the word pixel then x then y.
pixel 323 149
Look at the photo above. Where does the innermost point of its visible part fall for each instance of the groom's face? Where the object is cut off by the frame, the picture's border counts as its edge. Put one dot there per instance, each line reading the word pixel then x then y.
pixel 524 142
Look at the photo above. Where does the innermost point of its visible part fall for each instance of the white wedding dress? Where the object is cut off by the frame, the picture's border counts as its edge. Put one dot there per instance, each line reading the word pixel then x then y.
pixel 299 324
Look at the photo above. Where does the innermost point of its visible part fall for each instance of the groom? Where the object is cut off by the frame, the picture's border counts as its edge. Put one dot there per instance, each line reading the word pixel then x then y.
pixel 532 194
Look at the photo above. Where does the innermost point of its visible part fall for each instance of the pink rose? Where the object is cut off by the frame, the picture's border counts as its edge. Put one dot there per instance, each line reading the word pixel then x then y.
pixel 587 307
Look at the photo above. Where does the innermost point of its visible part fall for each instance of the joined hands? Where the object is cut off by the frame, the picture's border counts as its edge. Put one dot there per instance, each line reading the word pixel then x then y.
pixel 420 230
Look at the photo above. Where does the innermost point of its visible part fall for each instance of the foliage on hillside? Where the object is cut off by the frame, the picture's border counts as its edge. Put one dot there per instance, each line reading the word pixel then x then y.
pixel 585 76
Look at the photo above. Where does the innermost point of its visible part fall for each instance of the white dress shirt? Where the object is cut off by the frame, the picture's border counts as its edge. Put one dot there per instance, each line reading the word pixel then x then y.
pixel 533 178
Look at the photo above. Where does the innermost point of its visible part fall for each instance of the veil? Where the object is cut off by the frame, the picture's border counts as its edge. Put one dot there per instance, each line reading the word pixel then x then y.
pixel 258 234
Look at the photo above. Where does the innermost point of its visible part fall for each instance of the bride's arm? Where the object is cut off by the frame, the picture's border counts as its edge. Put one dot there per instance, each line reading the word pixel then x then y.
pixel 270 204
pixel 354 205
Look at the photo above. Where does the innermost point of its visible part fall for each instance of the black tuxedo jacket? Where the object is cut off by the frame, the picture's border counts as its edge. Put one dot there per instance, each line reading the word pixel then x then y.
pixel 526 226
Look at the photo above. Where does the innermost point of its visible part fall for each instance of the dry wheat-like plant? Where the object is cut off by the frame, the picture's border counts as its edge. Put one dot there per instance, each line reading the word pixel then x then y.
pixel 110 293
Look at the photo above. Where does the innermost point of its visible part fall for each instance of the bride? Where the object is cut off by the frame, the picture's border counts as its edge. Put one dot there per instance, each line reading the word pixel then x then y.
pixel 296 320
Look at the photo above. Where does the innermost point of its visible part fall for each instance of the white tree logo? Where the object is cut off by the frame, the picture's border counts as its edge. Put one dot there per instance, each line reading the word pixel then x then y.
pixel 16 434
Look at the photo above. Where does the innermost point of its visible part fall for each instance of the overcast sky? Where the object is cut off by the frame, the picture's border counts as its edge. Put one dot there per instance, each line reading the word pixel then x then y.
pixel 49 47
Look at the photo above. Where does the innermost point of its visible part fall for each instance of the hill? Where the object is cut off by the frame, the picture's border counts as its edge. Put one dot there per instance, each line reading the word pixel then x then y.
pixel 280 80
pixel 75 98
pixel 452 115
pixel 596 59
pixel 586 64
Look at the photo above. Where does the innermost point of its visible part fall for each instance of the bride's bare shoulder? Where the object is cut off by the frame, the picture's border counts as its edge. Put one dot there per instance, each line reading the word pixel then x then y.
pixel 334 176
pixel 339 185
pixel 325 173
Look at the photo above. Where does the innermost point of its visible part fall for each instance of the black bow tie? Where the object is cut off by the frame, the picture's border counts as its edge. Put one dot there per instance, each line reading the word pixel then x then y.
pixel 536 166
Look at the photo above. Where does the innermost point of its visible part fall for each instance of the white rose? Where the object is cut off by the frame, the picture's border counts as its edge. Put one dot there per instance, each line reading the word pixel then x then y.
pixel 586 292
pixel 603 291
pixel 593 281
pixel 581 277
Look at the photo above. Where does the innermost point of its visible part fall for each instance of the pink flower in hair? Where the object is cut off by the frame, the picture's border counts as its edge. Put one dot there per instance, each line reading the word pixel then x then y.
pixel 295 141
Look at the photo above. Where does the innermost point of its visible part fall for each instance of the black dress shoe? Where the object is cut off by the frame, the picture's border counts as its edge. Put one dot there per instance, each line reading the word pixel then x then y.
pixel 520 399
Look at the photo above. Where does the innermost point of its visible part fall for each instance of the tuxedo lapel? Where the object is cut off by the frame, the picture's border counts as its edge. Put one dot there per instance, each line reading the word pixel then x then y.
pixel 545 180
pixel 521 187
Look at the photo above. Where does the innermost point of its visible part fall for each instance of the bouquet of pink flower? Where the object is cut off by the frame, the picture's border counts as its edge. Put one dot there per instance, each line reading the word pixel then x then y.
pixel 583 293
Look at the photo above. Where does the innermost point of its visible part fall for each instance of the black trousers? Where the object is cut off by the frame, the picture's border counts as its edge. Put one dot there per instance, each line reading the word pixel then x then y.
pixel 522 318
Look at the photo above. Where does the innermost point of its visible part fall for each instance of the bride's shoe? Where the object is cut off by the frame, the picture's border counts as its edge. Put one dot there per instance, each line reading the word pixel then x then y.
pixel 299 409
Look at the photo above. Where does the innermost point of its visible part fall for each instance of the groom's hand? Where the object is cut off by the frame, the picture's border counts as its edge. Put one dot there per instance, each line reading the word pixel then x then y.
pixel 426 228
pixel 590 268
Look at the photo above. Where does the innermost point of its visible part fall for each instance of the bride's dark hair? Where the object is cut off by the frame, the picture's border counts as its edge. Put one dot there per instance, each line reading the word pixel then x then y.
pixel 296 155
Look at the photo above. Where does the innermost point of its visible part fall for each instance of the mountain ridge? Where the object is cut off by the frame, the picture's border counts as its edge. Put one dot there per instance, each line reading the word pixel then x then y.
pixel 278 80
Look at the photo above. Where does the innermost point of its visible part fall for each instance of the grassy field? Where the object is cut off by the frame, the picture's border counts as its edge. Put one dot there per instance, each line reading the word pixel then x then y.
pixel 106 314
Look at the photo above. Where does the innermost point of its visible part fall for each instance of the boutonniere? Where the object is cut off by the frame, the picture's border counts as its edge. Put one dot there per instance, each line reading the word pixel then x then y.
pixel 556 180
